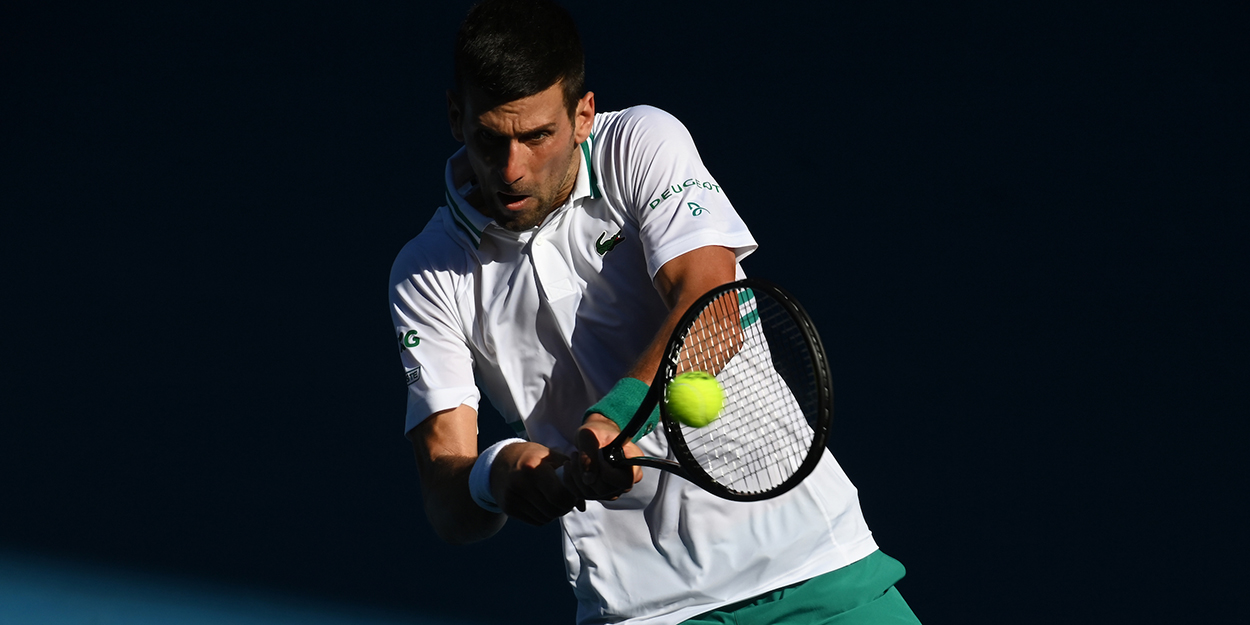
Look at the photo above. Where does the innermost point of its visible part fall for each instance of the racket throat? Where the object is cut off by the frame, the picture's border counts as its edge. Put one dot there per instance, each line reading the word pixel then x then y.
pixel 616 457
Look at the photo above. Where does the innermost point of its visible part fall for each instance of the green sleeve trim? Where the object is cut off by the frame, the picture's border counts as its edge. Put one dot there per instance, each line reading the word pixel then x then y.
pixel 622 402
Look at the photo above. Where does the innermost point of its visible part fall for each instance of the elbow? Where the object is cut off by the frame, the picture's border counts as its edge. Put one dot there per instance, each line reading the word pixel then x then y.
pixel 473 527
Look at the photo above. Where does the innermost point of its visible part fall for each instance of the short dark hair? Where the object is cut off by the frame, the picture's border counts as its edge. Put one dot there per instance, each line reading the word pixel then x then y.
pixel 512 49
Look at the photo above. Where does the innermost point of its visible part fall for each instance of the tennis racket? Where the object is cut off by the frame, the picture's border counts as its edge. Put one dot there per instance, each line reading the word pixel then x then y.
pixel 764 351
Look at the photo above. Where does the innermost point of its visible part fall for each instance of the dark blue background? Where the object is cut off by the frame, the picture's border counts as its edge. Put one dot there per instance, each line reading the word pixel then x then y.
pixel 1020 227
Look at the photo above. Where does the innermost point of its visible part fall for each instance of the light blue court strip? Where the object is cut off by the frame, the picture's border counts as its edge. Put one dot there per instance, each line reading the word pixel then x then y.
pixel 38 591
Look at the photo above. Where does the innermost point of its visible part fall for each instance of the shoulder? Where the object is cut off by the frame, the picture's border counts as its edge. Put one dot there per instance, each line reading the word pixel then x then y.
pixel 634 146
pixel 436 254
pixel 641 116
pixel 637 124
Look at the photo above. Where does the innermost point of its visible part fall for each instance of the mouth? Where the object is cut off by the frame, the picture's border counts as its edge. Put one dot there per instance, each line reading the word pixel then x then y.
pixel 512 202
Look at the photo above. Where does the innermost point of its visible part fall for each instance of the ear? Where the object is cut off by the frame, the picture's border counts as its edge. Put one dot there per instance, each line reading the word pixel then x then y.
pixel 455 116
pixel 584 117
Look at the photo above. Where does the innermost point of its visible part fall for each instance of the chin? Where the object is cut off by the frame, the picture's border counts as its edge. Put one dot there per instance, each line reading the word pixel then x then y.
pixel 522 220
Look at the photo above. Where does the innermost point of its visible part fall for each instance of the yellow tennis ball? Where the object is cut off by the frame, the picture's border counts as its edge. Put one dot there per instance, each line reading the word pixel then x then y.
pixel 695 398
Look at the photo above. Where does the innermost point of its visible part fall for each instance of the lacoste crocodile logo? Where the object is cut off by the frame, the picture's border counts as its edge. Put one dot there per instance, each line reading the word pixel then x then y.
pixel 603 247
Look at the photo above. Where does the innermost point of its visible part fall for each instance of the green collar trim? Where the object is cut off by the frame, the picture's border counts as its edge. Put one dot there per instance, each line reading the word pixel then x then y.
pixel 459 218
pixel 595 193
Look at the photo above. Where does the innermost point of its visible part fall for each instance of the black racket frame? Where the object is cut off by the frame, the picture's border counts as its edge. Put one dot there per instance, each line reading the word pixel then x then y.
pixel 686 466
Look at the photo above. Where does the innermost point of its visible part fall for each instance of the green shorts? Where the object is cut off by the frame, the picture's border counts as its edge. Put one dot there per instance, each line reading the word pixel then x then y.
pixel 860 593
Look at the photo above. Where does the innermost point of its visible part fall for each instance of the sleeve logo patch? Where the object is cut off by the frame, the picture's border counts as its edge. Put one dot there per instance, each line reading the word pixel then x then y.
pixel 677 189
pixel 695 209
pixel 410 339
pixel 414 375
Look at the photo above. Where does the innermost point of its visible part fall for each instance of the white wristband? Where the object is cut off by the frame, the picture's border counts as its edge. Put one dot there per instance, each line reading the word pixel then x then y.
pixel 479 477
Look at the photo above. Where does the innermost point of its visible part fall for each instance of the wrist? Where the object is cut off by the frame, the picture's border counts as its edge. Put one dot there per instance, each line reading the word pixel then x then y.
pixel 479 477
pixel 622 403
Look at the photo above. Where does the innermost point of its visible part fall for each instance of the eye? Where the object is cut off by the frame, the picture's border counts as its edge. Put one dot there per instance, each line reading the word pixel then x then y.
pixel 537 136
pixel 486 136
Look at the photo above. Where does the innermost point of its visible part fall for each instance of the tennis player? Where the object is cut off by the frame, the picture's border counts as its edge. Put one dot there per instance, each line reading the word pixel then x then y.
pixel 569 244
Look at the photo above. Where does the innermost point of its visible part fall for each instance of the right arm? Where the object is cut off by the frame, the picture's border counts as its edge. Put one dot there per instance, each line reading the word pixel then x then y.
pixel 445 446
pixel 523 479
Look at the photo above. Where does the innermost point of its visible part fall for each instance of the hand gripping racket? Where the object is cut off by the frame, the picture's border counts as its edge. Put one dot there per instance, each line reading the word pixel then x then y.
pixel 764 351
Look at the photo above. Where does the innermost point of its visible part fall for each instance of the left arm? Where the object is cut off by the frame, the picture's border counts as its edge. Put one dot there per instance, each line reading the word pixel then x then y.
pixel 680 282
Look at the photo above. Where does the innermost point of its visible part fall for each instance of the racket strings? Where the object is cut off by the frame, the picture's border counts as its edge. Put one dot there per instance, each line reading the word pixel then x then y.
pixel 761 359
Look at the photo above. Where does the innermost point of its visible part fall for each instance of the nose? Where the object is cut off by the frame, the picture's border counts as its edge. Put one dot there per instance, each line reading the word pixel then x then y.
pixel 514 166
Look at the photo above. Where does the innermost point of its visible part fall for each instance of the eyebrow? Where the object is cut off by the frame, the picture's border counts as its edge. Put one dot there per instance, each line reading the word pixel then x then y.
pixel 525 134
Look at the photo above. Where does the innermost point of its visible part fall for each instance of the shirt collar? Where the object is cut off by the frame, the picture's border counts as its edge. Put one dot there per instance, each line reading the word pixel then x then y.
pixel 456 176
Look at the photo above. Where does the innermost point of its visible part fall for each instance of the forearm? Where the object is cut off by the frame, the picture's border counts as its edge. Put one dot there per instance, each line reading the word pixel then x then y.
pixel 445 448
pixel 649 361
pixel 452 512
pixel 681 281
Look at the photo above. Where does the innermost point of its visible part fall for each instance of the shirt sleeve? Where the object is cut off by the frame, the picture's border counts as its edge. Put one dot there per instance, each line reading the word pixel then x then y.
pixel 679 206
pixel 432 346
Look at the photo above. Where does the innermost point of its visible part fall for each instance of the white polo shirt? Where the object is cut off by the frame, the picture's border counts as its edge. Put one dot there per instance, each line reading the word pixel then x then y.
pixel 547 320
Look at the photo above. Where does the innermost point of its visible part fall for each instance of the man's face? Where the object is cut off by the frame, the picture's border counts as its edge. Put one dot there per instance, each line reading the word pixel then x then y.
pixel 524 153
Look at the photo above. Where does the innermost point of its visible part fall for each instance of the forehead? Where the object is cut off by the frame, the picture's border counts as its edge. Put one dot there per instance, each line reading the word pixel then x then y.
pixel 541 109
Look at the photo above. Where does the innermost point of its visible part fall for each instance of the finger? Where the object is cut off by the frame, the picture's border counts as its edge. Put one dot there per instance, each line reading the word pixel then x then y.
pixel 539 499
pixel 540 507
pixel 553 487
pixel 606 486
pixel 599 478
pixel 610 479
pixel 550 484
pixel 588 447
pixel 581 498
pixel 558 495
pixel 570 477
pixel 607 482
pixel 603 476
pixel 576 480
pixel 529 513
pixel 631 450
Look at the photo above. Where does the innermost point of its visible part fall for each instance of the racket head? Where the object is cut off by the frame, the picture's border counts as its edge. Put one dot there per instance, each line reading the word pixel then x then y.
pixel 763 349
